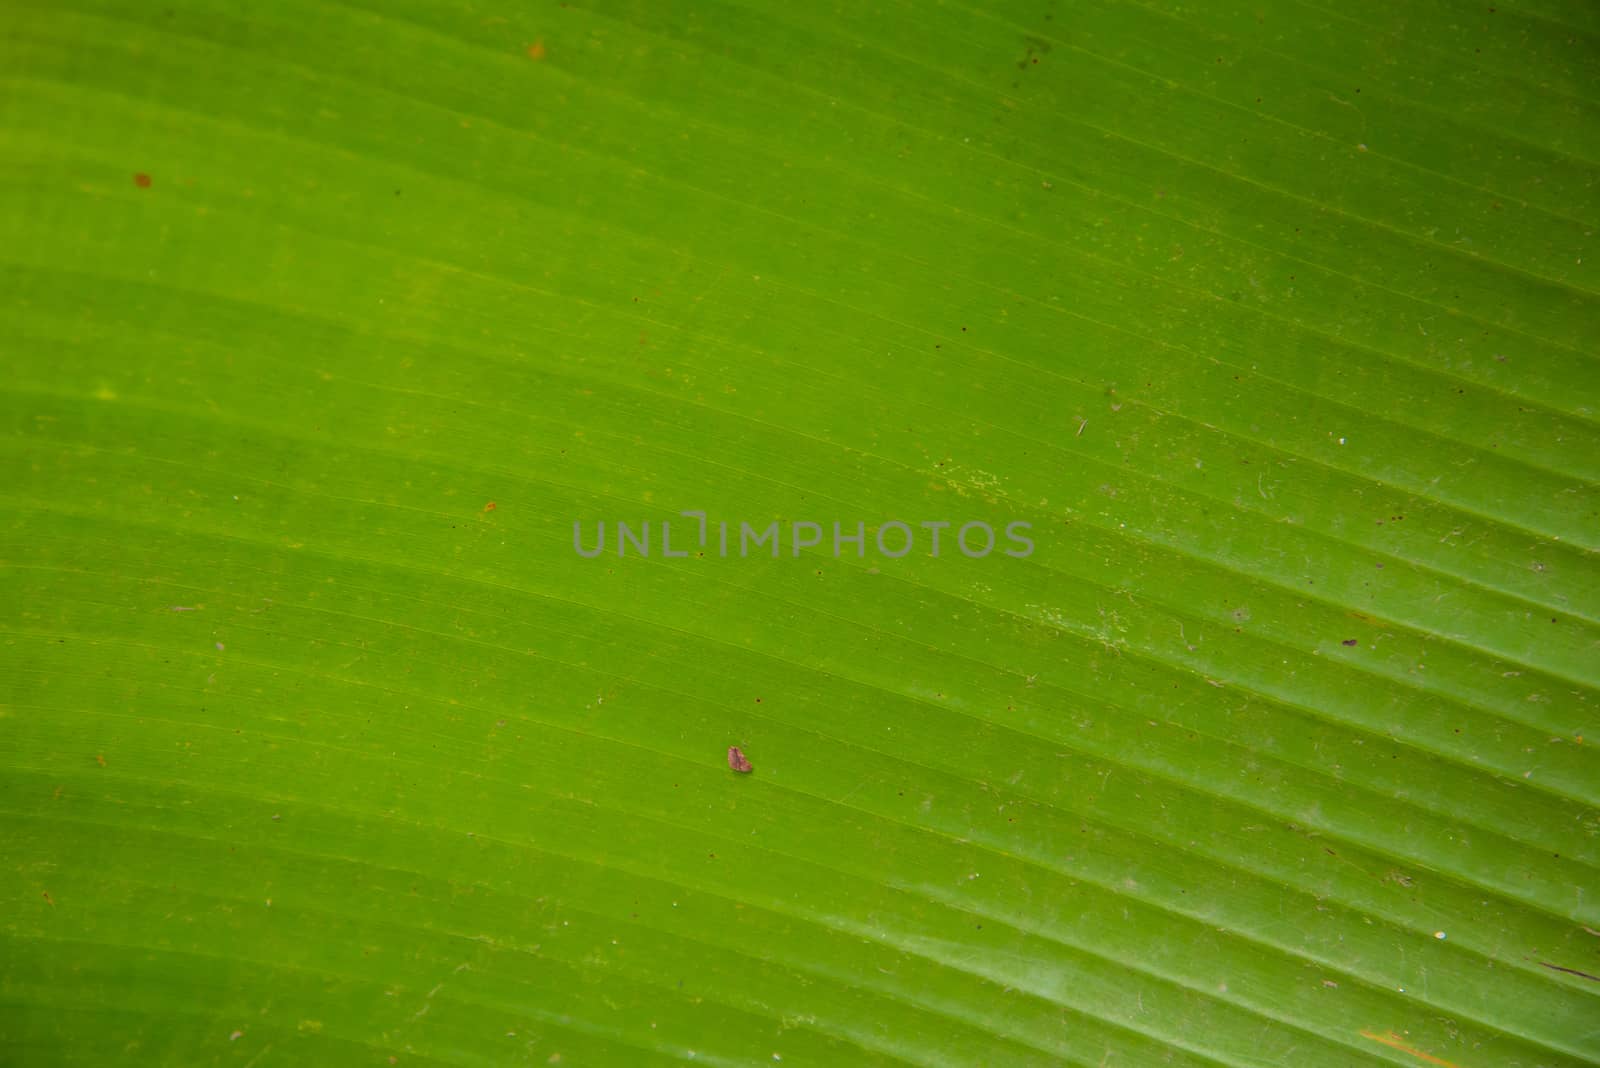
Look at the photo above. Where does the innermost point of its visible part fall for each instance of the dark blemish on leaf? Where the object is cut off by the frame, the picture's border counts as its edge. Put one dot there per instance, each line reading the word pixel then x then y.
pixel 1348 641
pixel 738 761
pixel 1570 971
pixel 48 900
pixel 142 180
pixel 491 506
pixel 1036 45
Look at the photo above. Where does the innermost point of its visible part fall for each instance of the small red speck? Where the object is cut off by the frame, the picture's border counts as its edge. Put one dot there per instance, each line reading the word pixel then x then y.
pixel 738 761
pixel 536 51
pixel 142 180
pixel 490 507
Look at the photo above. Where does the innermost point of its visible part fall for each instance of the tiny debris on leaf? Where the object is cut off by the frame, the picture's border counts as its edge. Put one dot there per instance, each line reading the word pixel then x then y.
pixel 1348 641
pixel 738 761
pixel 142 180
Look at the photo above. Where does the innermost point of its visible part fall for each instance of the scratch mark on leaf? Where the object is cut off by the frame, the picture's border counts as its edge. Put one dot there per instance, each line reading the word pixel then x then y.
pixel 1394 1041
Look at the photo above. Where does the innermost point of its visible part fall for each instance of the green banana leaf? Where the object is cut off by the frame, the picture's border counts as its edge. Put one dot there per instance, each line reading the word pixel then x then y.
pixel 1240 355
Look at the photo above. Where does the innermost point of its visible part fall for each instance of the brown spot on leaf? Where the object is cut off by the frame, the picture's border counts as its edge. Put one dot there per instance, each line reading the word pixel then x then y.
pixel 738 761
pixel 536 51
pixel 142 180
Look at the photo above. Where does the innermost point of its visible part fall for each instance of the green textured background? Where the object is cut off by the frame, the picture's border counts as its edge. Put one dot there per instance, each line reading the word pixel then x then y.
pixel 1273 318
